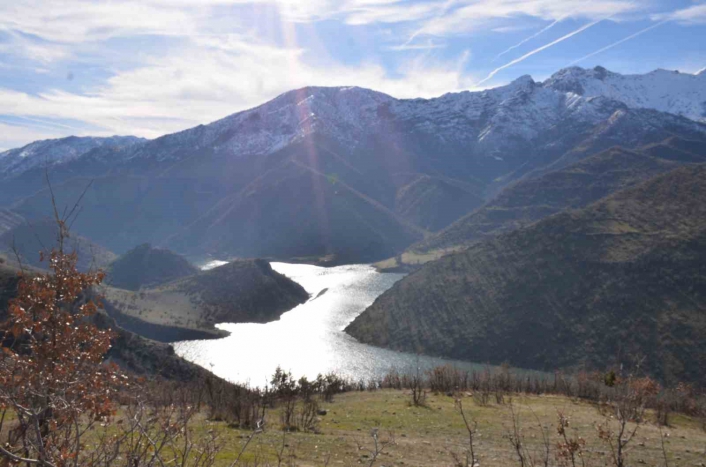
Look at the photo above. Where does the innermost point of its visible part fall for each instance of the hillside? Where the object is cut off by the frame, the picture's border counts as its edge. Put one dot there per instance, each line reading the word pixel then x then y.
pixel 133 352
pixel 572 187
pixel 9 220
pixel 345 172
pixel 145 266
pixel 237 292
pixel 614 282
pixel 29 238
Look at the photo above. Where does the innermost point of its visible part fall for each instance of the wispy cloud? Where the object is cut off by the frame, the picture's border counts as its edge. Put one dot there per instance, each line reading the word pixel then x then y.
pixel 22 46
pixel 621 41
pixel 150 67
pixel 478 14
pixel 212 79
pixel 693 15
pixel 538 50
pixel 15 135
pixel 533 36
pixel 424 46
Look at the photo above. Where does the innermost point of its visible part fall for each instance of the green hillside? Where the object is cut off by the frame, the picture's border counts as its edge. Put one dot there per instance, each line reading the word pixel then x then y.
pixel 621 280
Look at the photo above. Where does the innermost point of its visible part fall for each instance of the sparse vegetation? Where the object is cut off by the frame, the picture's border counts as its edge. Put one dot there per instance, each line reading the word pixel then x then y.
pixel 617 281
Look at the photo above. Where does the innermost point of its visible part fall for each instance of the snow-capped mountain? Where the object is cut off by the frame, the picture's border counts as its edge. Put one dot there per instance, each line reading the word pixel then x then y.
pixel 493 121
pixel 57 151
pixel 343 113
pixel 345 169
pixel 667 91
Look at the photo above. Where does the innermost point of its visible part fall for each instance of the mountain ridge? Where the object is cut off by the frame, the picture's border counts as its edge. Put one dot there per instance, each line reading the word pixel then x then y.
pixel 358 174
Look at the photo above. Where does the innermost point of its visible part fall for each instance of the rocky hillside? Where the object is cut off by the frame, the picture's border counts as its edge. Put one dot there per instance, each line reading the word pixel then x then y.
pixel 617 281
pixel 350 172
pixel 145 266
pixel 237 292
pixel 572 187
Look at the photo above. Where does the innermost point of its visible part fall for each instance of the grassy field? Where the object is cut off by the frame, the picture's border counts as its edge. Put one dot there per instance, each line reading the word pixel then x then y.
pixel 427 436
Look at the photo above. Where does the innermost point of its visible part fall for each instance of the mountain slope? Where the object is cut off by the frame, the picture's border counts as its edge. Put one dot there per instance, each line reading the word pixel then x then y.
pixel 240 291
pixel 9 220
pixel 29 239
pixel 572 187
pixel 144 266
pixel 347 172
pixel 621 279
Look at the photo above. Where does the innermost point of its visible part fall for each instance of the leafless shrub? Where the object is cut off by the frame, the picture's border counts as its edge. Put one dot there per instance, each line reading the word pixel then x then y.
pixel 468 458
pixel 378 447
pixel 419 394
pixel 569 450
pixel 307 416
pixel 626 407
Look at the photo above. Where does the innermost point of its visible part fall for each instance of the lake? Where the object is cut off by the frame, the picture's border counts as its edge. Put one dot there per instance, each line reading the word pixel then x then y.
pixel 309 339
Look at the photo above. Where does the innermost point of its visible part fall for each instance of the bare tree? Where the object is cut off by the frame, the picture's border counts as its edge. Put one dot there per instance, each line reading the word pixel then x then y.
pixel 624 414
pixel 378 447
pixel 470 459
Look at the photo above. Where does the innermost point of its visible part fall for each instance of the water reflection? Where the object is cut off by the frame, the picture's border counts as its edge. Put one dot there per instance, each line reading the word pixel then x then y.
pixel 309 339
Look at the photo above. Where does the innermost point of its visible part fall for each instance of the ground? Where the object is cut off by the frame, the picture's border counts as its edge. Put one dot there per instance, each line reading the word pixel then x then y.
pixel 410 260
pixel 427 436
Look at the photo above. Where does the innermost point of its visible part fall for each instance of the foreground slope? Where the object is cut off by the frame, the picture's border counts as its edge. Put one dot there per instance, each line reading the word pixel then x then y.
pixel 133 352
pixel 622 279
pixel 237 292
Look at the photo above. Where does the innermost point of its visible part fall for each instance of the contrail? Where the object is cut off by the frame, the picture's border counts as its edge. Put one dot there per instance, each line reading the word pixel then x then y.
pixel 444 8
pixel 537 50
pixel 617 43
pixel 524 41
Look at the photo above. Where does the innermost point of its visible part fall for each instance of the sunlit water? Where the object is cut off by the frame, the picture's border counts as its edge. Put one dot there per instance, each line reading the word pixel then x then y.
pixel 309 339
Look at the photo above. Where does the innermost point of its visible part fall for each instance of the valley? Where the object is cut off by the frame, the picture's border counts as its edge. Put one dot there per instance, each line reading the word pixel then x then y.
pixel 568 207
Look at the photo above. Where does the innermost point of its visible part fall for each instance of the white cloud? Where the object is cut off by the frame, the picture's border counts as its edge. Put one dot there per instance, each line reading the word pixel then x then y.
pixel 76 21
pixel 423 46
pixel 693 15
pixel 34 50
pixel 17 136
pixel 476 15
pixel 215 78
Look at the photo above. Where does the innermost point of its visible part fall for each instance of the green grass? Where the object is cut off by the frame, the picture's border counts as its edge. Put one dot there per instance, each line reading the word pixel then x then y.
pixel 425 435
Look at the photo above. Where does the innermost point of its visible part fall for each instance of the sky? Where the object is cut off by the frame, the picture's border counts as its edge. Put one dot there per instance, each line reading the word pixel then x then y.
pixel 152 67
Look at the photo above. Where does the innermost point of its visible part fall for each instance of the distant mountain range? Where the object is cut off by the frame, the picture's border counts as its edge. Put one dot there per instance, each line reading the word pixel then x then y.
pixel 347 173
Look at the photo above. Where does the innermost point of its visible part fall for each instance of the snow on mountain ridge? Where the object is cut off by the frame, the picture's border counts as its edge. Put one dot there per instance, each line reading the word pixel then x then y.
pixel 341 112
pixel 668 91
pixel 488 120
pixel 57 151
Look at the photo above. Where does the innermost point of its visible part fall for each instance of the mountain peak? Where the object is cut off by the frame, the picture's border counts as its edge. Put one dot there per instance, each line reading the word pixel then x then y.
pixel 522 81
pixel 664 90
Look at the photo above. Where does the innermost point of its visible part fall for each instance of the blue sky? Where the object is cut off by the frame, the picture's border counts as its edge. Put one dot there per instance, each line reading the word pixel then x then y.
pixel 152 67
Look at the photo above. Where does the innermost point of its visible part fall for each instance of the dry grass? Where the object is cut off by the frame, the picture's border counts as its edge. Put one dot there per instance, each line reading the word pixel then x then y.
pixel 425 436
